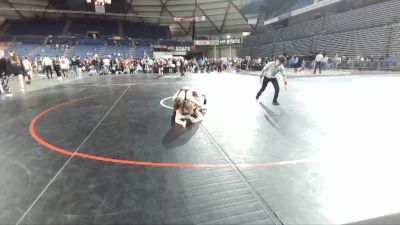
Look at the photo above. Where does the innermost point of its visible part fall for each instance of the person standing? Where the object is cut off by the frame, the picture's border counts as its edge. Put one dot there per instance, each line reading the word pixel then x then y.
pixel 64 63
pixel 14 67
pixel 269 74
pixel 57 68
pixel 178 65
pixel 28 70
pixel 77 65
pixel 219 66
pixel 325 62
pixel 48 64
pixel 318 62
pixel 3 73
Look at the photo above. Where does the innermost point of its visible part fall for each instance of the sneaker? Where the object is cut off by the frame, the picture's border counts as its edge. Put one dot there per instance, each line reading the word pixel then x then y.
pixel 275 103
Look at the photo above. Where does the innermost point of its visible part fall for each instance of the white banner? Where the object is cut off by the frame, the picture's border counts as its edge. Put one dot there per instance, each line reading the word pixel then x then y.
pixel 206 42
pixel 100 8
pixel 162 55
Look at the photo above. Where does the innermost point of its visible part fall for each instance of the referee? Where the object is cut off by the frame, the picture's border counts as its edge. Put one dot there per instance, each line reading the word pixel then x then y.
pixel 269 74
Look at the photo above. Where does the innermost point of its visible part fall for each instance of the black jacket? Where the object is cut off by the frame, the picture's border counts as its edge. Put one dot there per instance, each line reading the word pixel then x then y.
pixel 3 66
pixel 14 68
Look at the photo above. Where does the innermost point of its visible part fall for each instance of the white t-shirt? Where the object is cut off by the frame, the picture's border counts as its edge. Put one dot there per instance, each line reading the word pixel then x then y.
pixel 271 71
pixel 64 64
pixel 47 61
pixel 319 58
pixel 106 62
pixel 27 65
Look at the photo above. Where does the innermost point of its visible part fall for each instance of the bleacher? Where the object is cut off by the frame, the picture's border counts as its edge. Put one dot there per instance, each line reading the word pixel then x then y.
pixel 114 50
pixel 125 41
pixel 104 27
pixel 286 7
pixel 89 41
pixel 138 30
pixel 141 42
pixel 69 40
pixel 140 50
pixel 37 40
pixel 362 31
pixel 47 50
pixel 85 50
pixel 81 27
pixel 6 38
pixel 23 49
pixel 40 38
pixel 36 27
pixel 394 47
pixel 370 16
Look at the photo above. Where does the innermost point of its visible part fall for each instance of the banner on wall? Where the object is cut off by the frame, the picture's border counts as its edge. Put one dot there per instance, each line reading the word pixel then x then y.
pixel 177 53
pixel 182 48
pixel 206 42
pixel 230 41
pixel 100 8
pixel 162 55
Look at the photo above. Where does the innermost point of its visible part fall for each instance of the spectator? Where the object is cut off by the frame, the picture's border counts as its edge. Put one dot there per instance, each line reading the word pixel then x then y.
pixel 27 69
pixel 47 65
pixel 325 62
pixel 318 62
pixel 14 67
pixel 64 63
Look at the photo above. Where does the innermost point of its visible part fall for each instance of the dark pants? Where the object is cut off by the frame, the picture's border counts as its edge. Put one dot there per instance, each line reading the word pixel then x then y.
pixel 58 72
pixel 29 79
pixel 264 85
pixel 4 82
pixel 57 68
pixel 48 69
pixel 64 72
pixel 182 69
pixel 319 65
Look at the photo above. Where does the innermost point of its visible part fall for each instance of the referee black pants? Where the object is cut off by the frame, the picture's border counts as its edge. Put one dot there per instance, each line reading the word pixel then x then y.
pixel 319 65
pixel 48 70
pixel 264 85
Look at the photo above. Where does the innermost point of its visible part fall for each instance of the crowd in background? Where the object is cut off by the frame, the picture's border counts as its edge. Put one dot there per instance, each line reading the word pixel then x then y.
pixel 117 64
pixel 361 62
pixel 93 65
